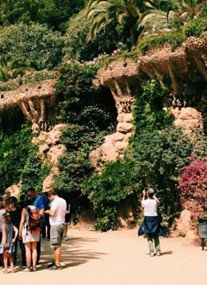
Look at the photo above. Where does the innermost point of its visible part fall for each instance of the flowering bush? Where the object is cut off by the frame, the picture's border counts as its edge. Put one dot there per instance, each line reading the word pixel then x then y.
pixel 193 185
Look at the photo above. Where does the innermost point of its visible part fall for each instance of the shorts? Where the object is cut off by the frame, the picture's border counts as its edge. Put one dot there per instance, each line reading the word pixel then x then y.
pixel 56 235
pixel 28 236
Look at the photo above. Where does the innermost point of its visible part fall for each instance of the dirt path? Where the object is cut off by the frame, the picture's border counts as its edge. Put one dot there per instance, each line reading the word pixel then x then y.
pixel 117 258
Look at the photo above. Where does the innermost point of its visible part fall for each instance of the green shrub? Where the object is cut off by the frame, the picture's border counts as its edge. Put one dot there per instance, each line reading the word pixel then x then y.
pixel 173 39
pixel 156 153
pixel 108 190
pixel 35 45
pixel 34 172
pixel 195 27
pixel 87 119
pixel 14 149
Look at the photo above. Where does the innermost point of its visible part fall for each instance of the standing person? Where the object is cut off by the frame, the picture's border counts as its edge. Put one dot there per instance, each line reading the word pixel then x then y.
pixel 40 204
pixel 57 214
pixel 47 222
pixel 151 225
pixel 2 211
pixel 15 213
pixel 9 235
pixel 29 238
pixel 67 222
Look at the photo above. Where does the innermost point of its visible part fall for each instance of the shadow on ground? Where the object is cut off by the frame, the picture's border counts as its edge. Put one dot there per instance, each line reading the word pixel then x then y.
pixel 72 255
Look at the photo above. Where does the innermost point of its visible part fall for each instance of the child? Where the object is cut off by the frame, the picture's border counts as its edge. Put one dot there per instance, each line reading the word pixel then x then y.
pixel 7 241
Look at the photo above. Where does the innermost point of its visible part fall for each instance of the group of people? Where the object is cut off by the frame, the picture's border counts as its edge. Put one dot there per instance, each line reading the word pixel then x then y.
pixel 14 231
pixel 52 211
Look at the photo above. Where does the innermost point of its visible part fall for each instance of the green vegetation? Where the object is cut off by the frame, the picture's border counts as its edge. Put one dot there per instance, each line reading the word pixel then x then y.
pixel 43 39
pixel 19 161
pixel 88 120
pixel 156 154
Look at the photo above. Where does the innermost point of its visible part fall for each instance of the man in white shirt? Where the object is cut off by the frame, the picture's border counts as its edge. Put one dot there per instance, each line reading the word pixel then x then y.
pixel 56 214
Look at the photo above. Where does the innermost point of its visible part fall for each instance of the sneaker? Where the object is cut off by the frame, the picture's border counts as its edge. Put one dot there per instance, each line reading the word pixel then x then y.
pixel 151 254
pixel 66 238
pixel 55 267
pixel 158 253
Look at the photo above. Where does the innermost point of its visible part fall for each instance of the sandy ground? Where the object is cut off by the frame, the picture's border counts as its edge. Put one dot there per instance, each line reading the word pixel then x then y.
pixel 117 258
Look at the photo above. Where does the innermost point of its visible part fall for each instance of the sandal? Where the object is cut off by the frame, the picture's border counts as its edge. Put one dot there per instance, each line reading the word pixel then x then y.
pixel 34 268
pixel 27 269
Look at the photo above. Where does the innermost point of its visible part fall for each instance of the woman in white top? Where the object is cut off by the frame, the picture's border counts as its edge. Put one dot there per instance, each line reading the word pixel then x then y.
pixel 151 225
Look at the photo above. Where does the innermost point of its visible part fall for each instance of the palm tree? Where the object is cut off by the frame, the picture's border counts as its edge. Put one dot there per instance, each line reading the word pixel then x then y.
pixel 125 12
pixel 154 16
pixel 10 69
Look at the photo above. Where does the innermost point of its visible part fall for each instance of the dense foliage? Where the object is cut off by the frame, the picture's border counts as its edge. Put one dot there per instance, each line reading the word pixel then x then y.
pixel 34 172
pixel 39 35
pixel 87 120
pixel 156 154
pixel 54 13
pixel 19 160
pixel 33 45
pixel 14 148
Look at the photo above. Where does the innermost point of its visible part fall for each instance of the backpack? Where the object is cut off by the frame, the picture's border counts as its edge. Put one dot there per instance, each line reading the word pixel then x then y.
pixel 33 219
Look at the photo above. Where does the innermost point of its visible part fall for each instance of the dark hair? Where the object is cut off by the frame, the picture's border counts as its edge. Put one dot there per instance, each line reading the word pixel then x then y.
pixel 52 192
pixel 12 200
pixel 29 200
pixel 2 204
pixel 31 190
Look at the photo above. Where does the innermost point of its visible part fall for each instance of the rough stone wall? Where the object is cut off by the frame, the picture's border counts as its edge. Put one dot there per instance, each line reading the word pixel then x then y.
pixel 36 102
pixel 185 71
pixel 50 150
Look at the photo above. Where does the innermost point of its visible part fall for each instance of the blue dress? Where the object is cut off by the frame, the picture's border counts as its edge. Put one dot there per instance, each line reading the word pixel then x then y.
pixel 10 230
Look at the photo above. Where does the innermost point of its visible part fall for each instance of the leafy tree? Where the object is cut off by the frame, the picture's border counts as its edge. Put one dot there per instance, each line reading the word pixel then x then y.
pixel 10 69
pixel 14 148
pixel 53 13
pixel 33 172
pixel 35 45
pixel 101 13
pixel 76 46
pixel 153 160
pixel 87 119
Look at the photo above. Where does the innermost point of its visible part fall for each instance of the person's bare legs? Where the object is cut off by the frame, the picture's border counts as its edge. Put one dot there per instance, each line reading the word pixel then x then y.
pixel 11 261
pixel 34 255
pixel 5 259
pixel 57 254
pixel 28 248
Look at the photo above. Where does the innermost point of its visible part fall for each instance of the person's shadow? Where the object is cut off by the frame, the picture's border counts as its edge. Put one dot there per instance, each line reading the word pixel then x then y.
pixel 70 257
pixel 166 252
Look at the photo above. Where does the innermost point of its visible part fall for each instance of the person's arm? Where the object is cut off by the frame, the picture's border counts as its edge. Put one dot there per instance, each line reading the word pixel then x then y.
pixel 144 197
pixel 21 225
pixel 156 199
pixel 51 212
pixel 4 235
pixel 15 233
